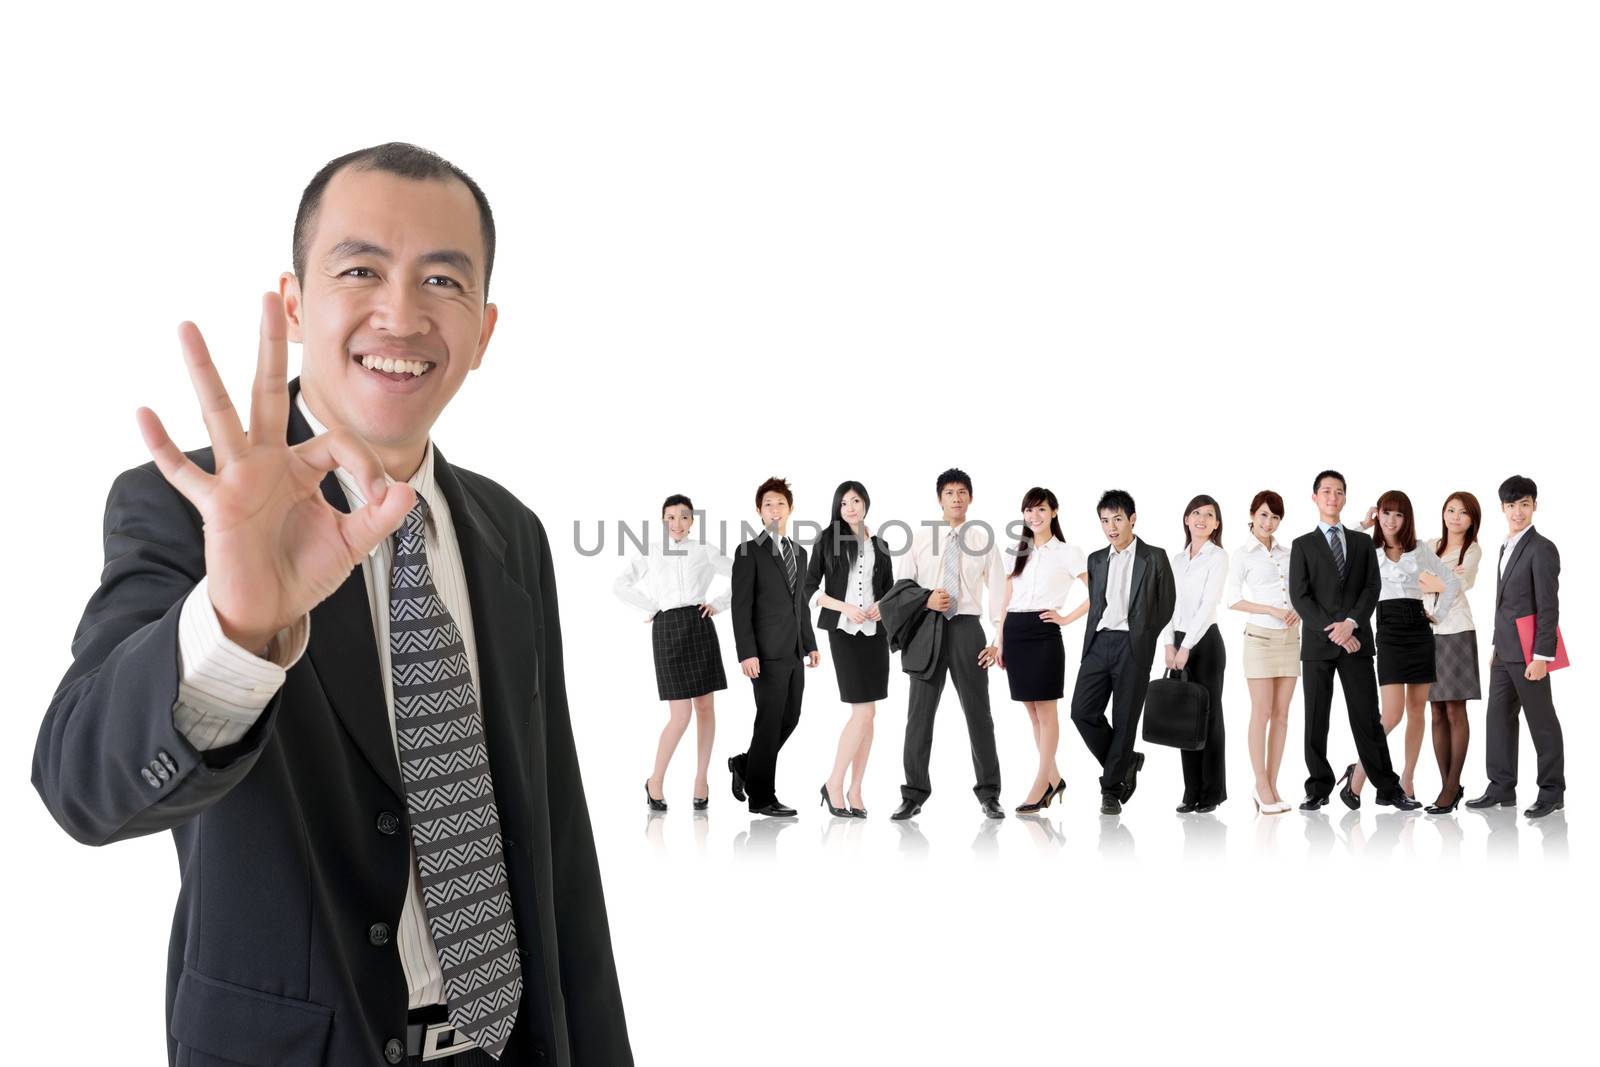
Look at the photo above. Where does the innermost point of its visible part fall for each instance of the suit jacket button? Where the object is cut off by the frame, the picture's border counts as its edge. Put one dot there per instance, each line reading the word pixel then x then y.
pixel 152 779
pixel 393 1050
pixel 167 760
pixel 388 822
pixel 160 771
pixel 378 934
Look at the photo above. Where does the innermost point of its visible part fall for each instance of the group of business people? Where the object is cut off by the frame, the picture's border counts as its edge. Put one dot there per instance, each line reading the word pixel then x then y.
pixel 1310 607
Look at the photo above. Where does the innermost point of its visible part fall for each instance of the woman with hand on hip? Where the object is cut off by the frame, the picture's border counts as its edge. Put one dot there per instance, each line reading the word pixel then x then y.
pixel 1258 584
pixel 849 571
pixel 1408 570
pixel 1029 648
pixel 1194 644
pixel 670 582
pixel 1455 648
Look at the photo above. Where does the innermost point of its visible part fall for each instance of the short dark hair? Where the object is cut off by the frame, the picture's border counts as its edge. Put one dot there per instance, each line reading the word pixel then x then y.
pixel 406 161
pixel 674 500
pixel 954 474
pixel 1116 500
pixel 1272 500
pixel 774 485
pixel 1316 483
pixel 1516 487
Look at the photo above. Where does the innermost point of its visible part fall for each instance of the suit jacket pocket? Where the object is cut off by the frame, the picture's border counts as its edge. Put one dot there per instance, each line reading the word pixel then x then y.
pixel 247 1025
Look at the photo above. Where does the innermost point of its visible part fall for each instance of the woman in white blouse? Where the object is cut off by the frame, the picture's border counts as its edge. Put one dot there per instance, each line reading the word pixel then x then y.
pixel 1408 570
pixel 1193 644
pixel 1258 584
pixel 1028 645
pixel 1455 647
pixel 669 583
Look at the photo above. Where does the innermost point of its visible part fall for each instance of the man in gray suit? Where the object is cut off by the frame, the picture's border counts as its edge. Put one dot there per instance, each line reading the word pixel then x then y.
pixel 1530 571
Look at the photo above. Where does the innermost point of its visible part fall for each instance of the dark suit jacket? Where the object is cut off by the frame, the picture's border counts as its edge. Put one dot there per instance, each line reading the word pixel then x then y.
pixel 1528 587
pixel 1320 597
pixel 1149 605
pixel 770 620
pixel 829 571
pixel 915 630
pixel 288 846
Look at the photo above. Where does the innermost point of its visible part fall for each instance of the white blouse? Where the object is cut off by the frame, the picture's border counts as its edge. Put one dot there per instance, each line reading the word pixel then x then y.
pixel 676 576
pixel 1260 575
pixel 1457 619
pixel 1046 580
pixel 1399 577
pixel 1199 583
pixel 857 591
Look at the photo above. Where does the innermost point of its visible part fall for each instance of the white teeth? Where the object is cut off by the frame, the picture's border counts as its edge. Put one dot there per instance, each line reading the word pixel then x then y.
pixel 414 367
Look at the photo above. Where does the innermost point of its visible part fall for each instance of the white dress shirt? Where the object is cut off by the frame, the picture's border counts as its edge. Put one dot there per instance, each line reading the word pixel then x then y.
pixel 1046 579
pixel 1260 575
pixel 857 590
pixel 675 574
pixel 222 688
pixel 1199 583
pixel 1457 619
pixel 980 569
pixel 1398 578
pixel 1119 587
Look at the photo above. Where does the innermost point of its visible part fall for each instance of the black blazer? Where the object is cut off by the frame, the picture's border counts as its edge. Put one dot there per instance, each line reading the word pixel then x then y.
pixel 1528 587
pixel 292 843
pixel 1150 604
pixel 1320 597
pixel 829 571
pixel 770 620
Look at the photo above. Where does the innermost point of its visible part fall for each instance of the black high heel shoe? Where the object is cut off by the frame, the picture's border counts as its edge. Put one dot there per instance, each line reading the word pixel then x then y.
pixel 1061 788
pixel 839 813
pixel 702 803
pixel 1042 802
pixel 655 805
pixel 1351 798
pixel 1446 809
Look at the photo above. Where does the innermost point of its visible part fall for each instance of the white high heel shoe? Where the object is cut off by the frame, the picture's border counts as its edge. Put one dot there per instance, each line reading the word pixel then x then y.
pixel 1268 807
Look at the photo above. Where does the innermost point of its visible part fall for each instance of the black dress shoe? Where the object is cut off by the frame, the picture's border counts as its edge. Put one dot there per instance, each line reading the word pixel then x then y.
pixel 1204 809
pixel 776 810
pixel 838 813
pixel 738 779
pixel 1489 800
pixel 992 809
pixel 1185 808
pixel 655 805
pixel 1541 808
pixel 1110 805
pixel 1351 798
pixel 1135 765
pixel 702 803
pixel 1311 803
pixel 1398 799
pixel 906 810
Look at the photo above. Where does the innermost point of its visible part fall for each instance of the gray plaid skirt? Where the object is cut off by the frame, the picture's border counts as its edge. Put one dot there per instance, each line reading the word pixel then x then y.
pixel 1455 667
pixel 688 658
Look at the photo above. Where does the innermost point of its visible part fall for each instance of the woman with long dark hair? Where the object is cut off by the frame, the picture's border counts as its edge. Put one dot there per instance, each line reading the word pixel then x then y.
pixel 848 573
pixel 1455 647
pixel 670 582
pixel 1408 570
pixel 1194 644
pixel 1029 646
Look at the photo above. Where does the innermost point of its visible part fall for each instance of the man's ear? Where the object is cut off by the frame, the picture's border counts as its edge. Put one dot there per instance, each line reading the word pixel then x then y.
pixel 491 315
pixel 289 290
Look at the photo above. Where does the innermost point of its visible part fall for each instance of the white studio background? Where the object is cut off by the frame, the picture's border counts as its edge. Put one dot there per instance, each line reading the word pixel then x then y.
pixel 1177 248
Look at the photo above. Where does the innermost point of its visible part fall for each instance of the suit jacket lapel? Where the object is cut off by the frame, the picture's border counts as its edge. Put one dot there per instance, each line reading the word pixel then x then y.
pixel 1141 563
pixel 1516 554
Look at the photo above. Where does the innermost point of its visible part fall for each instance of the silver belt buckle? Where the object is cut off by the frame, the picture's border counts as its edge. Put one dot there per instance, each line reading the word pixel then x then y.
pixel 432 1050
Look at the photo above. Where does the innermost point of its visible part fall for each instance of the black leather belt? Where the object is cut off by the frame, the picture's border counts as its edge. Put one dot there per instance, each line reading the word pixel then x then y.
pixel 430 1035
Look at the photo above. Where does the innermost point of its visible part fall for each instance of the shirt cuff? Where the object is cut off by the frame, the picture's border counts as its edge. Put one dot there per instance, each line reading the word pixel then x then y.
pixel 222 687
pixel 1546 659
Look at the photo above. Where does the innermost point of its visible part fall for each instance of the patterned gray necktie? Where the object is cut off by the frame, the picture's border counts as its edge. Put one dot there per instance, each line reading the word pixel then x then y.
pixel 952 573
pixel 788 560
pixel 450 798
pixel 1336 543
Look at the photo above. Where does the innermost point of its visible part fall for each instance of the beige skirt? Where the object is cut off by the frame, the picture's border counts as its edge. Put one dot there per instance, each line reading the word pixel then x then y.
pixel 1270 653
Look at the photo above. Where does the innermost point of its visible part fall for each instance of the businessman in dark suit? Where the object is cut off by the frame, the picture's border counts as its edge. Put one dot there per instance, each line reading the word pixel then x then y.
pixel 772 633
pixel 1334 585
pixel 1131 596
pixel 382 837
pixel 1529 581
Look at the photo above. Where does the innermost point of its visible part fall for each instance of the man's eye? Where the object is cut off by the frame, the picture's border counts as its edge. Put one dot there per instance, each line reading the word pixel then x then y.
pixel 442 278
pixel 358 272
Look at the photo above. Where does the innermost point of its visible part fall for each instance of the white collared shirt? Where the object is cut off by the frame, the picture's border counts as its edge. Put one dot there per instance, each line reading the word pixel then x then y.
pixel 1198 583
pixel 675 574
pixel 1260 575
pixel 1046 579
pixel 1398 578
pixel 982 566
pixel 858 590
pixel 1511 547
pixel 1119 587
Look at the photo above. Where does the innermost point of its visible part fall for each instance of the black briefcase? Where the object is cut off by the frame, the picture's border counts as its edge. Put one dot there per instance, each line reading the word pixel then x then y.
pixel 1175 712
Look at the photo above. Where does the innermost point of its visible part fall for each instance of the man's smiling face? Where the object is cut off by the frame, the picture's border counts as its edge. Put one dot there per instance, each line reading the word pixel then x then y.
pixel 394 278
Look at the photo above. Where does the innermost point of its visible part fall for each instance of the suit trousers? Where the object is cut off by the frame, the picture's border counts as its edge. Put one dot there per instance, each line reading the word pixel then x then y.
pixel 958 658
pixel 1205 772
pixel 1110 671
pixel 1510 692
pixel 777 691
pixel 1359 681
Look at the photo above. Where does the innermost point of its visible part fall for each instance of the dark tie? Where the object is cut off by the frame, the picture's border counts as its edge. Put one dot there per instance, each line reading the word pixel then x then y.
pixel 450 798
pixel 1337 545
pixel 788 560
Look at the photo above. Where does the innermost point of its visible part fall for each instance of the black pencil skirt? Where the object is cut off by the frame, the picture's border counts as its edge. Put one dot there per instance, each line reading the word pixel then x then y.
pixel 688 658
pixel 1036 661
pixel 1405 643
pixel 861 664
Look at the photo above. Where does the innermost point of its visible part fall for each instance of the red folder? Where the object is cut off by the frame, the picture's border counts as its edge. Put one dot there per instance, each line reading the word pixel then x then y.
pixel 1525 632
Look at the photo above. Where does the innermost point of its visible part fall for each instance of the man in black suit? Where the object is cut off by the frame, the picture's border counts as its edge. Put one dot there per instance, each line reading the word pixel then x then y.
pixel 1334 585
pixel 1131 597
pixel 1529 580
pixel 382 837
pixel 772 633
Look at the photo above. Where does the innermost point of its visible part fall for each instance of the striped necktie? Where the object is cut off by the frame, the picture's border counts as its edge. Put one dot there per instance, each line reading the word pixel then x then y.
pixel 788 560
pixel 450 799
pixel 1337 544
pixel 952 573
